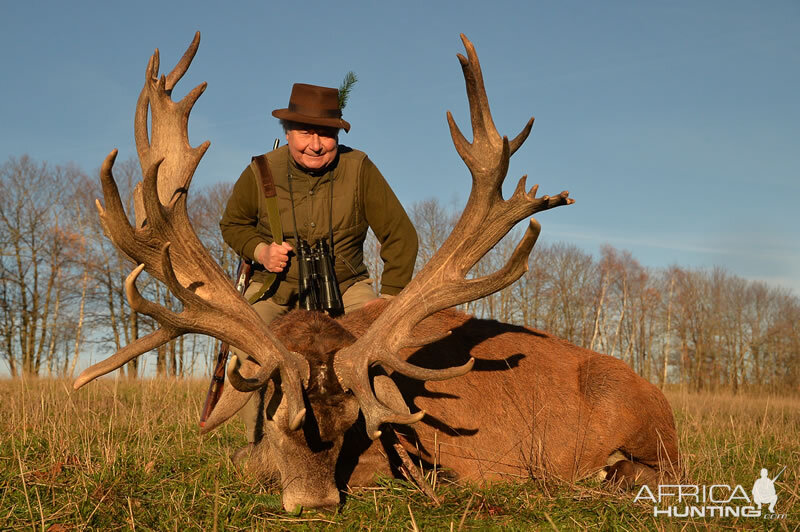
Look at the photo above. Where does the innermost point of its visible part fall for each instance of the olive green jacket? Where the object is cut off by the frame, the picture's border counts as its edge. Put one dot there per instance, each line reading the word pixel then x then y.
pixel 361 199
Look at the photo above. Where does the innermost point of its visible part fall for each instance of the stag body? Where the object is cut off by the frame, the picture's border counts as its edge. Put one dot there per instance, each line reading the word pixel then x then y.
pixel 533 406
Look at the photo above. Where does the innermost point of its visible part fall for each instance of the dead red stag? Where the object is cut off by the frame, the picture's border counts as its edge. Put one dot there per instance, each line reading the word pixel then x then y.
pixel 524 404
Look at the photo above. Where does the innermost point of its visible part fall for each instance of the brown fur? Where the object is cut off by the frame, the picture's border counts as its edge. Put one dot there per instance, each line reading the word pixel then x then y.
pixel 533 406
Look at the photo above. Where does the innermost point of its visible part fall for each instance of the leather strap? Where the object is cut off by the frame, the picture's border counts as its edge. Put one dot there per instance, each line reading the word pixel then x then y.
pixel 260 168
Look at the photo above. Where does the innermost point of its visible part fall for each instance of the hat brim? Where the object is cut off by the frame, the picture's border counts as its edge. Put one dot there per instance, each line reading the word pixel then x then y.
pixel 286 114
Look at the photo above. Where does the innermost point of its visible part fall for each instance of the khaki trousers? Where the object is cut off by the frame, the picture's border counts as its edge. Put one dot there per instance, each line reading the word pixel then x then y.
pixel 353 298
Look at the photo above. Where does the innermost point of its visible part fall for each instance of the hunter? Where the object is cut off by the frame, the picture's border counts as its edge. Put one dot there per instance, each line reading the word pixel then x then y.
pixel 323 194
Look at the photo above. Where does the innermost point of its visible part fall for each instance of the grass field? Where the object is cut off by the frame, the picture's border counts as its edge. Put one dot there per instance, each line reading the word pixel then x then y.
pixel 127 455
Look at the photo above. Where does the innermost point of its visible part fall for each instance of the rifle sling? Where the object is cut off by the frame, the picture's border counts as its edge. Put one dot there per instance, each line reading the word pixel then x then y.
pixel 261 169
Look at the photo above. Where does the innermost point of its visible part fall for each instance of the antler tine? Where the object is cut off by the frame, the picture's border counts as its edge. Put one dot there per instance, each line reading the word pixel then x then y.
pixel 514 145
pixel 114 209
pixel 482 123
pixel 169 137
pixel 443 281
pixel 139 346
pixel 242 383
pixel 168 248
pixel 183 65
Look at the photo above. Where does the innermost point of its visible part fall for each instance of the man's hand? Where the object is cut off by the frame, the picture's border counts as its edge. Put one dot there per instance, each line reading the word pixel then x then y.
pixel 274 257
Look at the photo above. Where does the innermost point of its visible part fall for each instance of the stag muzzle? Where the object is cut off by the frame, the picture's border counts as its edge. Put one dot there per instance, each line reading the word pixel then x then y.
pixel 310 493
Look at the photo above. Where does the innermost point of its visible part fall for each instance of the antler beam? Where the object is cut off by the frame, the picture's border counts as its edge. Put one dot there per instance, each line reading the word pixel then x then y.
pixel 164 244
pixel 443 282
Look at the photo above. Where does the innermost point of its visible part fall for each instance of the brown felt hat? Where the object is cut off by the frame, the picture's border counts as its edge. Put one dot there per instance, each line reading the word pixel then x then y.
pixel 311 104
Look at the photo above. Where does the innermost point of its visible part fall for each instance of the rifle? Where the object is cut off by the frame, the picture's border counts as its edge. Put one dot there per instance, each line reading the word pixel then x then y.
pixel 779 474
pixel 243 274
pixel 243 280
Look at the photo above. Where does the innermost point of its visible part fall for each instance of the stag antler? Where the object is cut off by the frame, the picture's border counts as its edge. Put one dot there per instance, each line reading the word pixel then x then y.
pixel 164 244
pixel 442 283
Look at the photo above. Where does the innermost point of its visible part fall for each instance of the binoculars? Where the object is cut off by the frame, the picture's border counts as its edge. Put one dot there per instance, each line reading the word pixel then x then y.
pixel 318 287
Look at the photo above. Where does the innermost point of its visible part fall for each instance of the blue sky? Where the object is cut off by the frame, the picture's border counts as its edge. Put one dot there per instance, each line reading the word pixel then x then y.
pixel 671 123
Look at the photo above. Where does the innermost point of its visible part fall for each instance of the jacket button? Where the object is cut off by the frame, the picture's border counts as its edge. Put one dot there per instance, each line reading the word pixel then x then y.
pixel 313 224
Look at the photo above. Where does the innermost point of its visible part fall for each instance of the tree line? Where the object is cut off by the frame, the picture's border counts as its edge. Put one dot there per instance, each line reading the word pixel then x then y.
pixel 62 293
pixel 706 329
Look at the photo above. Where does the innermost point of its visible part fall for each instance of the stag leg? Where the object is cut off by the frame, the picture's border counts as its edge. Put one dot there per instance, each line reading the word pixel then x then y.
pixel 627 474
pixel 650 461
pixel 653 462
pixel 358 295
pixel 651 452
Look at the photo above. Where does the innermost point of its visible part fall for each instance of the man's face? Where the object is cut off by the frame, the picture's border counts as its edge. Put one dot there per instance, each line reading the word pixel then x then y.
pixel 313 147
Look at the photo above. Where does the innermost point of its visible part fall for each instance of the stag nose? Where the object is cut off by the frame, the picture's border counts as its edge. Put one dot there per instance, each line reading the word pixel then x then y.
pixel 328 500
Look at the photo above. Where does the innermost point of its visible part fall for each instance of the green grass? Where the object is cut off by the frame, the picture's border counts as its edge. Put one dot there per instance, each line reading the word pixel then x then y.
pixel 125 454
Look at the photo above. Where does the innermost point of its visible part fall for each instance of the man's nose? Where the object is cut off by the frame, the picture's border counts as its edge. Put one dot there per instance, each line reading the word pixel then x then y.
pixel 315 144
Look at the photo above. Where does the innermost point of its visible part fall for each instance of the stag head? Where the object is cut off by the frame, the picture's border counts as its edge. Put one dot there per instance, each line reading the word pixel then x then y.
pixel 315 377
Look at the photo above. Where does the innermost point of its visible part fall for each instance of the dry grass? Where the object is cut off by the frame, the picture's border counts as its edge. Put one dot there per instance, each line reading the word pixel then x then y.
pixel 127 455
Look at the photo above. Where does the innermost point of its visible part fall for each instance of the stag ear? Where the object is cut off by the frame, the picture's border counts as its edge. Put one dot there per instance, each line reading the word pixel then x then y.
pixel 387 393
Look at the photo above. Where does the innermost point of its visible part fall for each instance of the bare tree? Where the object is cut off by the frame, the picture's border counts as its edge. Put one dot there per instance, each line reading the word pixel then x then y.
pixel 572 275
pixel 433 223
pixel 106 268
pixel 34 265
pixel 668 280
pixel 206 208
